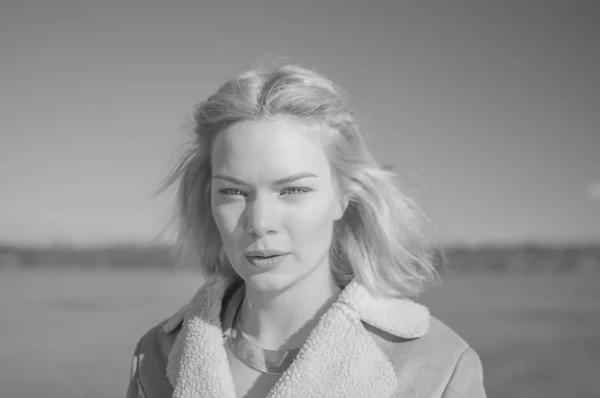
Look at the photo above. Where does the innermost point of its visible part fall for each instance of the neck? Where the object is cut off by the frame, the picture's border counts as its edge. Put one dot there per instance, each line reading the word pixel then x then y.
pixel 282 320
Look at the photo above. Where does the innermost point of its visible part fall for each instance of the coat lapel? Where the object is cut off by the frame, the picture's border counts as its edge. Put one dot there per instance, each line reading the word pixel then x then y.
pixel 198 366
pixel 338 359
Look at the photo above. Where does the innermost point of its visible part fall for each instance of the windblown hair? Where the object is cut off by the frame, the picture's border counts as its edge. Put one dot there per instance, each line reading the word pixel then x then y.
pixel 379 240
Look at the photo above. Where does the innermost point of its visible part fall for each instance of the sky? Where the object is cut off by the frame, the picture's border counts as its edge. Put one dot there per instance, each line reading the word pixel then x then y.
pixel 489 111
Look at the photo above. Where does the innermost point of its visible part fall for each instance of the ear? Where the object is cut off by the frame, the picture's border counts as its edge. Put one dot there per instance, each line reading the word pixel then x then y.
pixel 340 207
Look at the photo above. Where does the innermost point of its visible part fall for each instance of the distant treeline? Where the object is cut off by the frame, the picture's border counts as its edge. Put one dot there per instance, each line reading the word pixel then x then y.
pixel 498 259
pixel 523 258
pixel 108 256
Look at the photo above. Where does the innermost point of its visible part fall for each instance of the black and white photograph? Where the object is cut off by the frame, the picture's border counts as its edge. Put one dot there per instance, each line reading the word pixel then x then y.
pixel 299 199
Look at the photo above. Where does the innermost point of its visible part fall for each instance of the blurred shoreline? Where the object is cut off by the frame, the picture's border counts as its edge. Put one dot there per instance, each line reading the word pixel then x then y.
pixel 456 258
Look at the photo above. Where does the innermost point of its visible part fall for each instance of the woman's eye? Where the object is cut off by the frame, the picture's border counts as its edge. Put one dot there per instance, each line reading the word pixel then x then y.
pixel 231 192
pixel 295 191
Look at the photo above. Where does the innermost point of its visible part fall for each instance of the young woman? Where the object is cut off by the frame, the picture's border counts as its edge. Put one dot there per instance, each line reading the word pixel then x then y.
pixel 312 257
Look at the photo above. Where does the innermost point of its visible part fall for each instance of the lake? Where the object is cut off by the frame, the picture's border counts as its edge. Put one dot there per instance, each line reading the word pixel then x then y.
pixel 66 334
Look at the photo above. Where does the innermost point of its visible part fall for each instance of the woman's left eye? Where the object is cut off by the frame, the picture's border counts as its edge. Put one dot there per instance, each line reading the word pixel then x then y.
pixel 295 191
pixel 231 192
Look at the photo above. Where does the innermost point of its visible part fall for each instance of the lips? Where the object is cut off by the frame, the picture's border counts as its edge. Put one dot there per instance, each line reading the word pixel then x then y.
pixel 266 261
pixel 264 257
pixel 264 253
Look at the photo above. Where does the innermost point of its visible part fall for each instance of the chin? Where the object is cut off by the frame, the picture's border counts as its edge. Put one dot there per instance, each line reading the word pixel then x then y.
pixel 282 276
pixel 270 281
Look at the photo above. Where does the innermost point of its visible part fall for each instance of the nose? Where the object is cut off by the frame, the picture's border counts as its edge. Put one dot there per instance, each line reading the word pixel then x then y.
pixel 261 217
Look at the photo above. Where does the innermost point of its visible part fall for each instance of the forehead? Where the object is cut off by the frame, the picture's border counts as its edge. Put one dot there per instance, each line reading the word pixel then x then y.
pixel 269 148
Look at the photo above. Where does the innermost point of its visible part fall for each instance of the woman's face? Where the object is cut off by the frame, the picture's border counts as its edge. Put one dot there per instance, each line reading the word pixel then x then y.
pixel 274 202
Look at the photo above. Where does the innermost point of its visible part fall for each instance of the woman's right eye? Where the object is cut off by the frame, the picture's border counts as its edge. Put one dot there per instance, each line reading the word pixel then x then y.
pixel 231 192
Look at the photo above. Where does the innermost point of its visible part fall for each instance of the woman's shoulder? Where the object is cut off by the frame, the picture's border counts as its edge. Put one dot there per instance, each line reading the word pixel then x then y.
pixel 149 363
pixel 442 336
pixel 440 360
pixel 153 348
pixel 446 352
pixel 439 339
pixel 157 339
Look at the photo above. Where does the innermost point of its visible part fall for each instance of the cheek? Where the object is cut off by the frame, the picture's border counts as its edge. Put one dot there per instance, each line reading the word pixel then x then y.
pixel 313 222
pixel 226 217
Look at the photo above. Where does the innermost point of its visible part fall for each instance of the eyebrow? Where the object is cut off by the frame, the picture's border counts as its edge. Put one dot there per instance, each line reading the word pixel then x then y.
pixel 281 181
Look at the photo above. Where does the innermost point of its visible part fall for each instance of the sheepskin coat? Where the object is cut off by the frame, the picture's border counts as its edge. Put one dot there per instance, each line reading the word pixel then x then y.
pixel 362 347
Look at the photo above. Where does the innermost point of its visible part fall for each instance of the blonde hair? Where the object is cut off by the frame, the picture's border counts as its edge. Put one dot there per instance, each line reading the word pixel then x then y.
pixel 379 240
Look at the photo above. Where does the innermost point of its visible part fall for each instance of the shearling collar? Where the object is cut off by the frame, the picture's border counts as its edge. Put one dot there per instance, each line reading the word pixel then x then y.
pixel 339 356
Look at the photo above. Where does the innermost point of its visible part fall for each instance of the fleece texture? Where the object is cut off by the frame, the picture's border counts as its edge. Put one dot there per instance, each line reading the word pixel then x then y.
pixel 363 346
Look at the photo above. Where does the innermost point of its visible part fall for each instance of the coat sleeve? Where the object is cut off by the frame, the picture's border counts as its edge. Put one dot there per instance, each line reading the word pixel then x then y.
pixel 134 389
pixel 467 379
